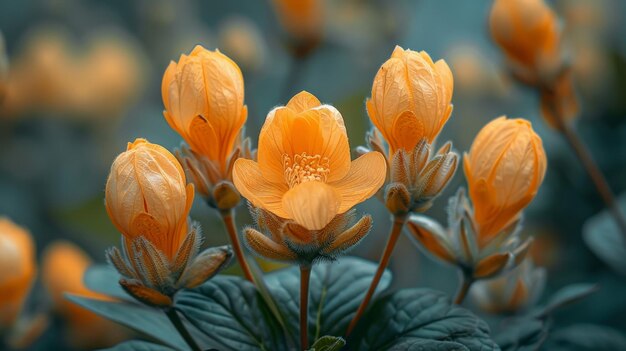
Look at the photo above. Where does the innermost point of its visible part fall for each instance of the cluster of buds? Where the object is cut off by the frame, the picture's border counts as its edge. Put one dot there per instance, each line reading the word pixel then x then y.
pixel 529 34
pixel 304 185
pixel 203 94
pixel 513 292
pixel 504 169
pixel 459 243
pixel 287 241
pixel 148 200
pixel 408 112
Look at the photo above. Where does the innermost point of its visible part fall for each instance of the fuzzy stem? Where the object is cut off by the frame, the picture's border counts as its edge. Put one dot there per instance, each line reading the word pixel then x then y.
pixel 588 163
pixel 466 284
pixel 396 229
pixel 231 228
pixel 180 327
pixel 305 275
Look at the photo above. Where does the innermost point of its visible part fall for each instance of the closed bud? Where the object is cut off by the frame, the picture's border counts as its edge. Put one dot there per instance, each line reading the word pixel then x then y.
pixel 504 169
pixel 17 270
pixel 528 33
pixel 203 95
pixel 225 195
pixel 148 200
pixel 303 21
pixel 147 196
pixel 410 99
pixel 397 199
pixel 511 293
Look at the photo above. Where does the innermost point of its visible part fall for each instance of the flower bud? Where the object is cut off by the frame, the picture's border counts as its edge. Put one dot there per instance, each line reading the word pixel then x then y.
pixel 528 33
pixel 63 268
pixel 17 270
pixel 147 195
pixel 410 99
pixel 203 96
pixel 511 293
pixel 504 169
pixel 303 20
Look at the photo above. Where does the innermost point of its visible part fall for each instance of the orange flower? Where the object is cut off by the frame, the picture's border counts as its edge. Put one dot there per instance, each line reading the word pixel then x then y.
pixel 304 170
pixel 410 99
pixel 504 169
pixel 527 31
pixel 301 18
pixel 64 266
pixel 203 96
pixel 147 195
pixel 17 270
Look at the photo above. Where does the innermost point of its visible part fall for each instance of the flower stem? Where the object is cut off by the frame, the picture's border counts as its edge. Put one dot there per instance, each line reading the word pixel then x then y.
pixel 305 275
pixel 396 229
pixel 180 327
pixel 466 284
pixel 231 228
pixel 585 158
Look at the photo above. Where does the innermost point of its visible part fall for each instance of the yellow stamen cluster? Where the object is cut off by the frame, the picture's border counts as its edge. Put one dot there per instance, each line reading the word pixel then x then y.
pixel 305 168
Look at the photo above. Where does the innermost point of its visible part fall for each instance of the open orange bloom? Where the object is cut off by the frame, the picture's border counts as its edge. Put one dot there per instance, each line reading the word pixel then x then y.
pixel 410 99
pixel 147 195
pixel 504 169
pixel 304 171
pixel 17 269
pixel 64 266
pixel 527 31
pixel 203 95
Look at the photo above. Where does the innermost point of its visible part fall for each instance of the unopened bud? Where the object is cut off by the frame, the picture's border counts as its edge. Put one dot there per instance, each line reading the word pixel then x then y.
pixel 397 199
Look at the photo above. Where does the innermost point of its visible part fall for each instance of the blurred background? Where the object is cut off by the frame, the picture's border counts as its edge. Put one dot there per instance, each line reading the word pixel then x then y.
pixel 80 79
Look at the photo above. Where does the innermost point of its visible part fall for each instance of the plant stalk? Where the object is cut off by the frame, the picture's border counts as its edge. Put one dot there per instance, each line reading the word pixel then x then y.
pixel 396 229
pixel 231 228
pixel 590 166
pixel 305 275
pixel 180 327
pixel 466 284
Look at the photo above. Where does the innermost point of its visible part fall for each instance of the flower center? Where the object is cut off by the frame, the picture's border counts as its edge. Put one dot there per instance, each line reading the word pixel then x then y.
pixel 305 168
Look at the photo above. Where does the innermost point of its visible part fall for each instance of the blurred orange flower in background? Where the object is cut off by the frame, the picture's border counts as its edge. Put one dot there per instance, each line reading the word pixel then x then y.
pixel 17 270
pixel 410 99
pixel 147 195
pixel 302 19
pixel 528 32
pixel 504 169
pixel 304 170
pixel 63 268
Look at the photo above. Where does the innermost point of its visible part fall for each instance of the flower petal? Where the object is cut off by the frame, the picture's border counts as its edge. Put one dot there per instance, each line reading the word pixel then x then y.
pixel 367 174
pixel 249 181
pixel 312 204
pixel 303 101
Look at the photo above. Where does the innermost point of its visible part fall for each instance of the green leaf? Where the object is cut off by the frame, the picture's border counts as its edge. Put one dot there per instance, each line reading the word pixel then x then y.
pixel 335 292
pixel 143 319
pixel 231 313
pixel 139 345
pixel 421 319
pixel 522 334
pixel 568 295
pixel 586 337
pixel 606 240
pixel 328 343
pixel 105 279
